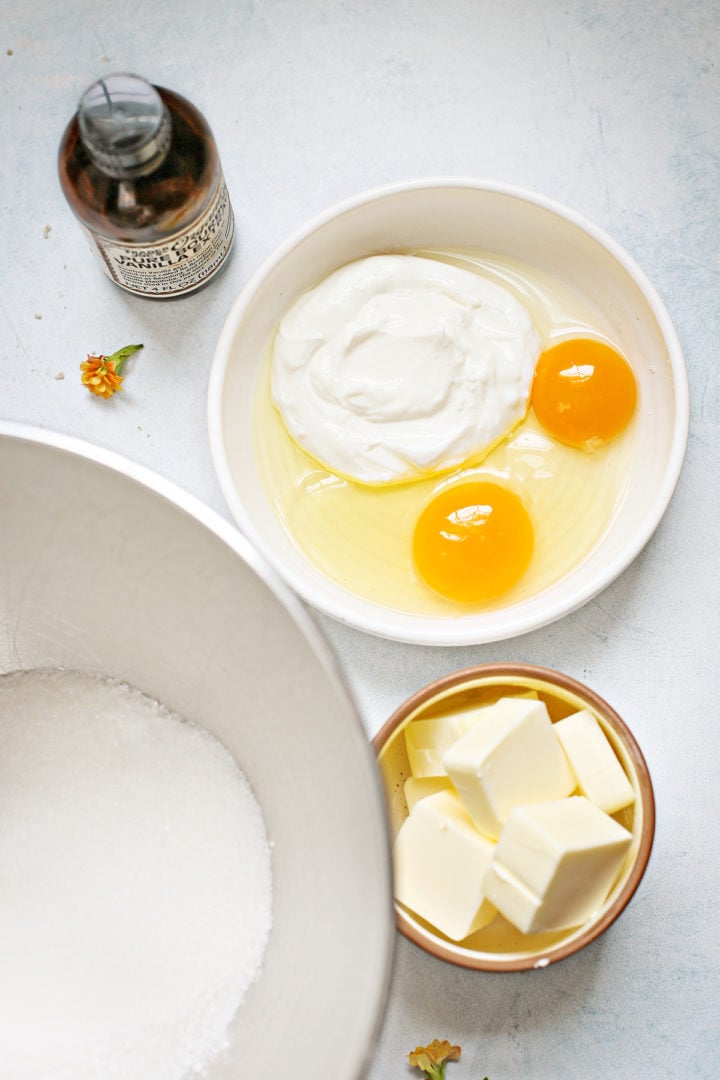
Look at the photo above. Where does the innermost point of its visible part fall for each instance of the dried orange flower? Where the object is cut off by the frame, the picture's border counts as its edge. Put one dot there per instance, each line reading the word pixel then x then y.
pixel 431 1059
pixel 101 374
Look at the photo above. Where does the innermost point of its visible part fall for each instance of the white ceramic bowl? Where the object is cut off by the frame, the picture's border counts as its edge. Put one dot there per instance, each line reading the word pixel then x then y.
pixel 510 223
pixel 106 568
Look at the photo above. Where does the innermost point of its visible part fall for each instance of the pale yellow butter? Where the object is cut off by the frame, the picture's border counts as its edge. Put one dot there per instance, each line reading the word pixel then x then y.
pixel 419 787
pixel 555 864
pixel 440 861
pixel 510 757
pixel 427 740
pixel 599 774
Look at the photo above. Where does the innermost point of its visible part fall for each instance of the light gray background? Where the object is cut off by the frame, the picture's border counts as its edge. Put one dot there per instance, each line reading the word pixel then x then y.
pixel 612 108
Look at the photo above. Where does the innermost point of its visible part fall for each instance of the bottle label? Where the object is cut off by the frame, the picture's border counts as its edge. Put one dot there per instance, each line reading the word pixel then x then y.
pixel 183 262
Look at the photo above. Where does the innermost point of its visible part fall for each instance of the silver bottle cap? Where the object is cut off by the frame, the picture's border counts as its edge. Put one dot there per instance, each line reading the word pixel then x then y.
pixel 124 126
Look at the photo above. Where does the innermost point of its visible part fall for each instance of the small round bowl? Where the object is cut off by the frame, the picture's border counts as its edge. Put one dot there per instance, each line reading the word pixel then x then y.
pixel 512 224
pixel 499 946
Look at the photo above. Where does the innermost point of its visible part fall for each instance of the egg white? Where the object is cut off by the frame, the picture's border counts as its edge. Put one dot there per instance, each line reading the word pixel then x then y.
pixel 360 537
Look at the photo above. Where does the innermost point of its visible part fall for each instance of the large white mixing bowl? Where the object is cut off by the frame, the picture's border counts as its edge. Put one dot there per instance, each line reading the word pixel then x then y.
pixel 107 568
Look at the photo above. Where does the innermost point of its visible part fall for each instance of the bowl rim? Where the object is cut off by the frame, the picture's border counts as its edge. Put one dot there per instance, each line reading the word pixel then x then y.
pixel 435 946
pixel 500 624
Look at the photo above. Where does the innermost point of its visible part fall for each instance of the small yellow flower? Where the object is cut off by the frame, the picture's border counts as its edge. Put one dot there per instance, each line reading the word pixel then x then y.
pixel 431 1059
pixel 101 374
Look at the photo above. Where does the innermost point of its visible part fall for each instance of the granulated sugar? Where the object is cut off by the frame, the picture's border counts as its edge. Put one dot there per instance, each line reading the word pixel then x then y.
pixel 135 884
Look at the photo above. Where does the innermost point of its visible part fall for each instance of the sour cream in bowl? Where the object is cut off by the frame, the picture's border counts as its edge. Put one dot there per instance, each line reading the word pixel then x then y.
pixel 396 366
pixel 349 445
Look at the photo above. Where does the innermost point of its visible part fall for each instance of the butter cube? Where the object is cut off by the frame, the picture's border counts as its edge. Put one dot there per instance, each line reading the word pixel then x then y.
pixel 427 740
pixel 555 863
pixel 419 787
pixel 510 758
pixel 440 862
pixel 599 774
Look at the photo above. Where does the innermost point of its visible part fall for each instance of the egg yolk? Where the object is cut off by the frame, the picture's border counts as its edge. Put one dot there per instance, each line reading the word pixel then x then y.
pixel 473 542
pixel 584 392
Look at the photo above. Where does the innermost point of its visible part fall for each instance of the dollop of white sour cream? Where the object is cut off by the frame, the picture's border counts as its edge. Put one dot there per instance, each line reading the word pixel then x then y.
pixel 398 366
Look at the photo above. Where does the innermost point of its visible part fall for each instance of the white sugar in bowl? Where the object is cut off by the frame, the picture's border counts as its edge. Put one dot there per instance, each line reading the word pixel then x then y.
pixel 106 568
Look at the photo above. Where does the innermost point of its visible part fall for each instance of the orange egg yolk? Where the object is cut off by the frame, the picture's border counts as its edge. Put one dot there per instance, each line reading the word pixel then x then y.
pixel 584 392
pixel 473 542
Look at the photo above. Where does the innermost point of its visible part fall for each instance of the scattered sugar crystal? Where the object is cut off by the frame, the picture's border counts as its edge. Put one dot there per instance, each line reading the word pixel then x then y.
pixel 135 884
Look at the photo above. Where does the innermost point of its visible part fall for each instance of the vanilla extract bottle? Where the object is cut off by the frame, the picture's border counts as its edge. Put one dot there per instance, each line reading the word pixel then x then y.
pixel 139 166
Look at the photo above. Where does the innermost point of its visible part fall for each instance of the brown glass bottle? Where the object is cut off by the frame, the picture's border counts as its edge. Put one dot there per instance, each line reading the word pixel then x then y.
pixel 140 169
